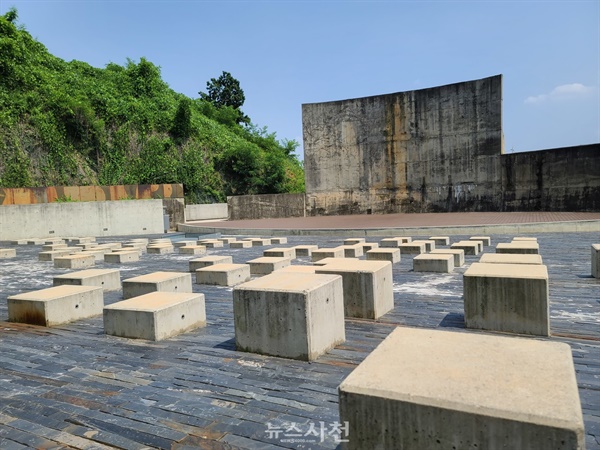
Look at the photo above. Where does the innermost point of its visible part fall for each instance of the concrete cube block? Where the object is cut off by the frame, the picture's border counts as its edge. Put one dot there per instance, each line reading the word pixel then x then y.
pixel 325 261
pixel 278 240
pixel 368 286
pixel 291 315
pixel 353 241
pixel 281 252
pixel 469 247
pixel 50 247
pixel 107 279
pixel 259 242
pixel 19 242
pixel 267 264
pixel 410 248
pixel 520 247
pixel 157 282
pixel 457 253
pixel 192 250
pixel 8 252
pixel 440 240
pixel 55 305
pixel 369 246
pixel 526 239
pixel 432 389
pixel 199 263
pixel 511 298
pixel 77 261
pixel 352 251
pixel 394 241
pixel 384 254
pixel 305 250
pixel 510 258
pixel 98 254
pixel 155 316
pixel 433 263
pixel 81 240
pixel 487 241
pixel 122 257
pixel 227 240
pixel 35 242
pixel 184 243
pixel 429 244
pixel 49 256
pixel 298 268
pixel 87 245
pixel 223 274
pixel 211 243
pixel 321 253
pixel 596 260
pixel 159 249
pixel 240 244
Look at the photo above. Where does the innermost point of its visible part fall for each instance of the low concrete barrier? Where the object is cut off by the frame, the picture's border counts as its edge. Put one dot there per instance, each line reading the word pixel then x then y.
pixel 206 212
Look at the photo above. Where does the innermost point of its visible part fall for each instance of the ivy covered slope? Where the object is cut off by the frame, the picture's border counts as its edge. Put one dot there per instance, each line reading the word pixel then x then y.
pixel 68 123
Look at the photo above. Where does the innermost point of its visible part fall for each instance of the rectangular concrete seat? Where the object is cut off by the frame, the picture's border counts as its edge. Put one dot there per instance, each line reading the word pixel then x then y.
pixel 81 240
pixel 596 260
pixel 107 279
pixel 138 241
pixel 8 252
pixel 433 263
pixel 526 239
pixel 50 247
pixel 282 252
pixel 49 256
pixel 56 240
pixel 353 251
pixel 87 245
pixel 223 274
pixel 211 243
pixel 19 242
pixel 433 389
pixel 440 240
pixel 429 244
pixel 155 316
pixel 522 247
pixel 122 257
pixel 291 315
pixel 192 250
pixel 325 261
pixel 305 250
pixel 321 253
pixel 184 243
pixel 98 254
pixel 298 268
pixel 141 248
pixel 469 247
pixel 457 253
pixel 409 248
pixel 353 241
pixel 55 305
pixel 394 241
pixel 160 249
pixel 160 241
pixel 227 240
pixel 511 298
pixel 240 244
pixel 278 240
pixel 199 263
pixel 157 281
pixel 368 286
pixel 77 261
pixel 384 254
pixel 268 264
pixel 369 246
pixel 487 241
pixel 259 242
pixel 35 242
pixel 509 258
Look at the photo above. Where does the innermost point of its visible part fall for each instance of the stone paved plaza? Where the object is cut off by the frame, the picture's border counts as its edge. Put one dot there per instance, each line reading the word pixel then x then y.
pixel 72 386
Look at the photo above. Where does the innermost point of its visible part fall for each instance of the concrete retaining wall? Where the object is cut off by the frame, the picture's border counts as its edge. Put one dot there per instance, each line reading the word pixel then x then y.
pixel 266 206
pixel 206 212
pixel 111 218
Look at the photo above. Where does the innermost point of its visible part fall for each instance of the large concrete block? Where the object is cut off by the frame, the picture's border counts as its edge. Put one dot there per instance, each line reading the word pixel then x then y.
pixel 433 263
pixel 432 389
pixel 510 258
pixel 259 242
pixel 267 264
pixel 384 254
pixel 596 260
pixel 353 241
pixel 281 252
pixel 122 257
pixel 369 246
pixel 526 239
pixel 429 244
pixel 292 315
pixel 521 247
pixel 82 240
pixel 440 240
pixel 368 286
pixel 410 248
pixel 8 252
pixel 457 253
pixel 278 240
pixel 305 250
pixel 353 251
pixel 77 261
pixel 322 253
pixel 192 250
pixel 512 298
pixel 160 249
pixel 298 268
pixel 35 242
pixel 223 274
pixel 183 243
pixel 227 240
pixel 487 241
pixel 325 261
pixel 199 263
pixel 50 255
pixel 211 243
pixel 469 247
pixel 157 282
pixel 394 241
pixel 55 305
pixel 50 247
pixel 107 279
pixel 155 316
pixel 240 244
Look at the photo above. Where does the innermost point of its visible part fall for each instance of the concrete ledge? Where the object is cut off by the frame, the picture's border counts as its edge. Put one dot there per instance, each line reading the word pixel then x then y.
pixel 8 252
pixel 122 257
pixel 267 264
pixel 384 254
pixel 431 389
pixel 78 261
pixel 509 258
pixel 223 274
pixel 433 263
pixel 521 247
pixel 292 315
pixel 107 279
pixel 55 305
pixel 206 261
pixel 457 253
pixel 596 261
pixel 511 298
pixel 155 316
pixel 157 281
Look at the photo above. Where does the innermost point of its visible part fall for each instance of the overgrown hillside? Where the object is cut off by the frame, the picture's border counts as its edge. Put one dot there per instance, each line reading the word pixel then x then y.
pixel 68 123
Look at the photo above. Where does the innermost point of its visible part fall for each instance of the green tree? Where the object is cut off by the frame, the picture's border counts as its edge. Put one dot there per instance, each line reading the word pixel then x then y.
pixel 226 91
pixel 182 123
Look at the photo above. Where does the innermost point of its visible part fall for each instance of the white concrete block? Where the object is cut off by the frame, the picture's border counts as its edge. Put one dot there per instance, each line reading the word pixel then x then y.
pixel 157 281
pixel 411 248
pixel 50 255
pixel 469 247
pixel 440 240
pixel 325 261
pixel 429 244
pixel 384 254
pixel 433 263
pixel 122 257
pixel 192 250
pixel 211 243
pixel 353 251
pixel 321 253
pixel 160 249
pixel 77 261
pixel 278 240
pixel 305 250
pixel 8 252
pixel 596 260
pixel 487 241
pixel 223 274
pixel 520 247
pixel 267 264
pixel 510 258
pixel 107 279
pixel 282 252
pixel 240 244
pixel 457 253
pixel 394 241
pixel 353 241
pixel 199 263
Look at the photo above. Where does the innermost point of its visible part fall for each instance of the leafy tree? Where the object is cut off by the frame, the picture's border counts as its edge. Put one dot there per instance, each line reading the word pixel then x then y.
pixel 182 123
pixel 226 91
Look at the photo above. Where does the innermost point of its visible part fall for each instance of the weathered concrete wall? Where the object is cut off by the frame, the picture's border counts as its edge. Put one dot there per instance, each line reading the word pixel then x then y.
pixel 206 212
pixel 428 150
pixel 266 206
pixel 112 218
pixel 563 179
pixel 175 208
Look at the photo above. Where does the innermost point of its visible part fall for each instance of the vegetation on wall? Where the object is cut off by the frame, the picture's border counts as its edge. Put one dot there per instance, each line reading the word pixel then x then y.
pixel 68 123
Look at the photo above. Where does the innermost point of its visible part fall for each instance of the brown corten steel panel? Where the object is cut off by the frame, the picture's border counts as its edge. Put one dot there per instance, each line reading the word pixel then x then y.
pixel 99 193
pixel 144 191
pixel 6 196
pixel 87 193
pixel 22 196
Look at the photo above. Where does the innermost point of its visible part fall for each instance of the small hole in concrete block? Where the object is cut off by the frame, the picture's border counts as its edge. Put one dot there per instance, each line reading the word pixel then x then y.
pixel 182 316
pixel 143 228
pixel 76 306
pixel 327 301
pixel 51 232
pixel 105 229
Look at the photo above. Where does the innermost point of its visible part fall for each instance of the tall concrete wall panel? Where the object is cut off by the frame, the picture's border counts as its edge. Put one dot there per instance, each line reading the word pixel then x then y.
pixel 110 218
pixel 266 206
pixel 428 150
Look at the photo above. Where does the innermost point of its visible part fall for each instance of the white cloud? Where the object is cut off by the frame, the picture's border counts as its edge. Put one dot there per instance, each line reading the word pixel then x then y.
pixel 564 91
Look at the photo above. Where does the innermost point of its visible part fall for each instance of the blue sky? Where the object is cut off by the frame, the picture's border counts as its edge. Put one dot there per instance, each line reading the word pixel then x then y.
pixel 286 53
